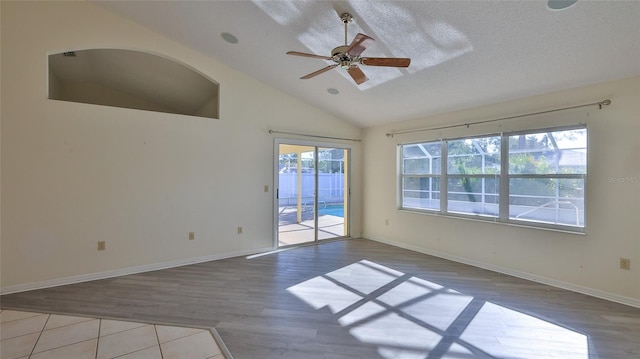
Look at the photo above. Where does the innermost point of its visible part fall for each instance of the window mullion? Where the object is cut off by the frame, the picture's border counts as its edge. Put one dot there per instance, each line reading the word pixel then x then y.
pixel 400 171
pixel 444 202
pixel 503 193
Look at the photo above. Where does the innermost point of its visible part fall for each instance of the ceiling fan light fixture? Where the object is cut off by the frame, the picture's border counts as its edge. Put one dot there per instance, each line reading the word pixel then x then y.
pixel 230 38
pixel 560 4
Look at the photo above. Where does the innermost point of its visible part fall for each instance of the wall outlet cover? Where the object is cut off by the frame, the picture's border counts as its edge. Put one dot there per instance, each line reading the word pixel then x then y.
pixel 625 263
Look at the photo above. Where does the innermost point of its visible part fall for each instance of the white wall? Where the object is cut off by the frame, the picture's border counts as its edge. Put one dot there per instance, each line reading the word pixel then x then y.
pixel 586 263
pixel 75 174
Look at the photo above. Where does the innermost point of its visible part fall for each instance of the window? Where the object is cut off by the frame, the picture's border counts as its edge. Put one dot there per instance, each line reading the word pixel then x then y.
pixel 421 168
pixel 473 170
pixel 534 177
pixel 547 173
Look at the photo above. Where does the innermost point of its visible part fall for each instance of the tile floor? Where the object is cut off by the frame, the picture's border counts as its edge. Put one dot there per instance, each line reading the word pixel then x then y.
pixel 37 335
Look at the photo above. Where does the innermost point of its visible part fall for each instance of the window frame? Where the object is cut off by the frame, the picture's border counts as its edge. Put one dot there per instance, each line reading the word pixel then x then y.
pixel 503 179
pixel 559 176
pixel 415 175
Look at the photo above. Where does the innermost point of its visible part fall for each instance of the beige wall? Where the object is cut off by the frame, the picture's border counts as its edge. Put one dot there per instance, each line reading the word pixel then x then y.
pixel 75 174
pixel 92 93
pixel 1 81
pixel 587 263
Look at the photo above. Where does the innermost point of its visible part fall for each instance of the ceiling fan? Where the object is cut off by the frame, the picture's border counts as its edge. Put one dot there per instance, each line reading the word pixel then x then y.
pixel 348 56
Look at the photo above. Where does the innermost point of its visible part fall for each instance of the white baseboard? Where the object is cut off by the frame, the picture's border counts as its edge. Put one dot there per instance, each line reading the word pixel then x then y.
pixel 125 271
pixel 528 276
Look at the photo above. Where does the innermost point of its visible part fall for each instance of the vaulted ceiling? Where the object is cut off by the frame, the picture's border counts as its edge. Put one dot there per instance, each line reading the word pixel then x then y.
pixel 464 53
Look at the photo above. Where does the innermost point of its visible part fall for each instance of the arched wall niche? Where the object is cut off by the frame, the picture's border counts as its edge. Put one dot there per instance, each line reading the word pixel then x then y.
pixel 132 79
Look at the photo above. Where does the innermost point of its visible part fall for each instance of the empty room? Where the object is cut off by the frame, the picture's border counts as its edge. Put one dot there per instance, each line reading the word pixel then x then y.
pixel 320 179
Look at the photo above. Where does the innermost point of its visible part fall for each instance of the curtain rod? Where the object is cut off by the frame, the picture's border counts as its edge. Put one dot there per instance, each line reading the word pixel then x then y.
pixel 316 136
pixel 599 104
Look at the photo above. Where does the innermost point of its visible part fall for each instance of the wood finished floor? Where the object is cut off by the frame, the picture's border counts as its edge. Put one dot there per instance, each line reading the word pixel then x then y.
pixel 357 299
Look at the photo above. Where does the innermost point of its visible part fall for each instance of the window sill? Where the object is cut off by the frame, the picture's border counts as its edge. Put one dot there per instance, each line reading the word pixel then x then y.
pixel 494 220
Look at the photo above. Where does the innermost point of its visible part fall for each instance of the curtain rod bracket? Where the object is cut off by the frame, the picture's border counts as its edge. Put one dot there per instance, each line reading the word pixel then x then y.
pixel 604 103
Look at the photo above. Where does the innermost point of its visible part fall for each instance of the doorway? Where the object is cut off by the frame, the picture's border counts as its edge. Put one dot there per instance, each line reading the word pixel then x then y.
pixel 312 192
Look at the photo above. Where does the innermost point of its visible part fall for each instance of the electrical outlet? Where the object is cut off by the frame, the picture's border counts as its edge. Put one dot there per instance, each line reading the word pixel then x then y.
pixel 625 263
pixel 239 230
pixel 266 188
pixel 102 245
pixel 386 222
pixel 192 236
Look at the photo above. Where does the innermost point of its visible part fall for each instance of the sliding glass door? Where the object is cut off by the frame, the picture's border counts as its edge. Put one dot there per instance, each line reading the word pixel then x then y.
pixel 332 199
pixel 312 197
pixel 296 194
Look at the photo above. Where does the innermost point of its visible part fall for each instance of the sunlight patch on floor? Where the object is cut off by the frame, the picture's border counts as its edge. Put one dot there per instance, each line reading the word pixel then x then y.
pixel 409 317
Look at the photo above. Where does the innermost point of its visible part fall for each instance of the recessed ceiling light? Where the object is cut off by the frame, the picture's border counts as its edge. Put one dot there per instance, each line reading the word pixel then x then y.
pixel 229 38
pixel 560 4
pixel 333 91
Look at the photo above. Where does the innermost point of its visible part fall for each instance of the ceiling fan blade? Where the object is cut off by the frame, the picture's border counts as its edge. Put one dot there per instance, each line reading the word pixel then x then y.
pixel 386 61
pixel 357 74
pixel 304 54
pixel 359 44
pixel 316 73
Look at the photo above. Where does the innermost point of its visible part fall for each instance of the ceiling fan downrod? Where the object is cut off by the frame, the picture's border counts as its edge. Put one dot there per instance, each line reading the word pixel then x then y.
pixel 346 19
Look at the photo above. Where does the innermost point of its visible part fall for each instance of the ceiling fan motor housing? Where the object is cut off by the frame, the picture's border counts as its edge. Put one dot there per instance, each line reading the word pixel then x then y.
pixel 340 56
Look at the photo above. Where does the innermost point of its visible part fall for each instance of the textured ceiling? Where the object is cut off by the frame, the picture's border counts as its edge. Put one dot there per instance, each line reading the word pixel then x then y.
pixel 464 53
